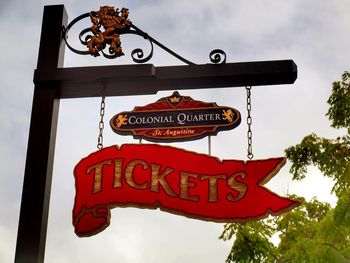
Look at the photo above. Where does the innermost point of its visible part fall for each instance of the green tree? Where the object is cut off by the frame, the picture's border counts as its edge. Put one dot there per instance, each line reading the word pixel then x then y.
pixel 312 232
pixel 251 241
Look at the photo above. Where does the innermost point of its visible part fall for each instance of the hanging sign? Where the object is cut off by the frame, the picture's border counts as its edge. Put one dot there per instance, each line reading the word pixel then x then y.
pixel 175 118
pixel 174 180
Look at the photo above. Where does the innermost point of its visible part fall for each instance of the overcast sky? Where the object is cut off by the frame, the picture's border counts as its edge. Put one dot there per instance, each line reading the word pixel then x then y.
pixel 315 34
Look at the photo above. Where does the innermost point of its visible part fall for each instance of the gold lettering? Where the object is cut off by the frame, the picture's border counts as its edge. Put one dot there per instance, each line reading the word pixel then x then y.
pixel 159 179
pixel 98 174
pixel 185 185
pixel 157 133
pixel 129 170
pixel 213 186
pixel 237 186
pixel 117 173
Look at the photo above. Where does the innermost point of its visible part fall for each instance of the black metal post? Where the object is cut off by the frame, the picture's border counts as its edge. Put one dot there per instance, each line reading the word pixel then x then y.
pixel 32 226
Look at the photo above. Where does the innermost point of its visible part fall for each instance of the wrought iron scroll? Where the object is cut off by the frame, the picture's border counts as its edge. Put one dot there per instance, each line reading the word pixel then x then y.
pixel 217 56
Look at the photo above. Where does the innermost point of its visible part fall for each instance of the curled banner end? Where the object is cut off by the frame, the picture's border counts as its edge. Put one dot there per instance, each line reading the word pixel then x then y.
pixel 92 221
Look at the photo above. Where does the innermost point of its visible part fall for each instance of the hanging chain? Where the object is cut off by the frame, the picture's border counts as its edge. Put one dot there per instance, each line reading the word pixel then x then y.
pixel 249 123
pixel 101 124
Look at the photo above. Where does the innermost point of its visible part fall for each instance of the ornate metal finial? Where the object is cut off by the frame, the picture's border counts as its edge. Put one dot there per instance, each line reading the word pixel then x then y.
pixel 115 23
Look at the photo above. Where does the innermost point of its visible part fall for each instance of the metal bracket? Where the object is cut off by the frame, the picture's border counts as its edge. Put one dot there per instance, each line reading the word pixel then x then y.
pixel 98 42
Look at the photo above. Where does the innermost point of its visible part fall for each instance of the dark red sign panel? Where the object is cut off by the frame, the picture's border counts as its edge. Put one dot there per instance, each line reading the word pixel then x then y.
pixel 175 118
pixel 173 180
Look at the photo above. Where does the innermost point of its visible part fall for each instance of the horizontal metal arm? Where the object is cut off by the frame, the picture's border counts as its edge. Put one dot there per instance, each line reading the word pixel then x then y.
pixel 148 79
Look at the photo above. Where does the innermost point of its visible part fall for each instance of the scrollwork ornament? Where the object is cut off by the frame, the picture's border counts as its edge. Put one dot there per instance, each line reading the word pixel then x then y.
pixel 139 57
pixel 103 37
pixel 217 56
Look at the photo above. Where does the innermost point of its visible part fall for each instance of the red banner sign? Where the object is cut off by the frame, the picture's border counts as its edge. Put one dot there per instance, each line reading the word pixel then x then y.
pixel 173 180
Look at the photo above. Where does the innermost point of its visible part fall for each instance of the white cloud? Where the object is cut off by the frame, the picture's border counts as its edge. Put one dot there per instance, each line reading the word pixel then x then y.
pixel 7 244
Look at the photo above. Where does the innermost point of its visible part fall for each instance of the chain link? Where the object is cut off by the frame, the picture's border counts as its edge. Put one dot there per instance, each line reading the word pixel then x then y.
pixel 250 154
pixel 101 125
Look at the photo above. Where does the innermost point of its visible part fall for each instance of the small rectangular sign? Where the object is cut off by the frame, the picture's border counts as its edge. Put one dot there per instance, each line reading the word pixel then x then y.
pixel 175 118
